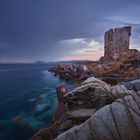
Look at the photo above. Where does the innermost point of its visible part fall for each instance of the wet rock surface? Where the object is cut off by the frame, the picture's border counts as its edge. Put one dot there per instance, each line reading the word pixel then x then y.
pixel 20 125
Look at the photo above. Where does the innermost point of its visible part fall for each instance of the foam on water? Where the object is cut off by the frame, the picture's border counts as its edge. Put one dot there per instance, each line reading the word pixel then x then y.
pixel 19 92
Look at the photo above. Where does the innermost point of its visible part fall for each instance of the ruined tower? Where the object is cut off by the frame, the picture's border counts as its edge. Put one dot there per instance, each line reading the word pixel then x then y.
pixel 116 40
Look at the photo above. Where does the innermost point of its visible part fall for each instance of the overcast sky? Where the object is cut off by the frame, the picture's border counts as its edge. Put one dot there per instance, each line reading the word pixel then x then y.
pixel 52 30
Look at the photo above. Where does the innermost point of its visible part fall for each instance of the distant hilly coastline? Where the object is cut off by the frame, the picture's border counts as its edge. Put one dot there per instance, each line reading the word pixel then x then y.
pixel 63 62
pixel 54 62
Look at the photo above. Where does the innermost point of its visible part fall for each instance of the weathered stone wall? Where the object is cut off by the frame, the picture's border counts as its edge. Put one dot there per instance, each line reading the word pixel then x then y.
pixel 116 41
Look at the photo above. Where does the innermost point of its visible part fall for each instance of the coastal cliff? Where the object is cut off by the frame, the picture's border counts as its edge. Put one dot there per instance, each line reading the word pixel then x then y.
pixel 105 104
pixel 118 63
pixel 96 110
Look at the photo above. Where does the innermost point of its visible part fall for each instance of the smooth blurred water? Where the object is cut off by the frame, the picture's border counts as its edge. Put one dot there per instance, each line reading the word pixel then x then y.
pixel 20 86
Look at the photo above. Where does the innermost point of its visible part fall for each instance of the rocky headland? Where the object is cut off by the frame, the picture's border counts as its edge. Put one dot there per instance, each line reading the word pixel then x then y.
pixel 106 103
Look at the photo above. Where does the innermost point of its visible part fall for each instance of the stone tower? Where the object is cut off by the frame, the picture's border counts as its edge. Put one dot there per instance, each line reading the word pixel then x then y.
pixel 116 41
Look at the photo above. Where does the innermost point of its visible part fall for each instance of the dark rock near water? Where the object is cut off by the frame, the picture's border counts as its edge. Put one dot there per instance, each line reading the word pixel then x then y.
pixel 21 127
pixel 43 134
pixel 61 90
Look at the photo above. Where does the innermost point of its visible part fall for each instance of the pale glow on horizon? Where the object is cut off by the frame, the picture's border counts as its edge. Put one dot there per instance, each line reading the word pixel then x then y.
pixel 89 57
pixel 13 60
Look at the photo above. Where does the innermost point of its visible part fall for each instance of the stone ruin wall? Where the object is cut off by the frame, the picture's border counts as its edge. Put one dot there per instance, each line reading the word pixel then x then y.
pixel 116 41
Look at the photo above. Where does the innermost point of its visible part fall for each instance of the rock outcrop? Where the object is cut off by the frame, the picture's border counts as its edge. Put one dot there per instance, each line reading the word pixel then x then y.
pixel 124 68
pixel 90 105
pixel 102 108
pixel 119 121
pixel 76 72
pixel 61 90
pixel 116 112
pixel 92 95
pixel 118 63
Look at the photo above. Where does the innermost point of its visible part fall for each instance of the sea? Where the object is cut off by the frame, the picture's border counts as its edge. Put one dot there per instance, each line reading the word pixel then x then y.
pixel 27 99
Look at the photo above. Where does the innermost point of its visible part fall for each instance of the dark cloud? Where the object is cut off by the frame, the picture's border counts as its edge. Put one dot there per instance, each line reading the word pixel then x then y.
pixel 33 29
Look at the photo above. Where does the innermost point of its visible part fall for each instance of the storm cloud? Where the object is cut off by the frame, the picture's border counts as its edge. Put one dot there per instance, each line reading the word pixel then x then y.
pixel 51 30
